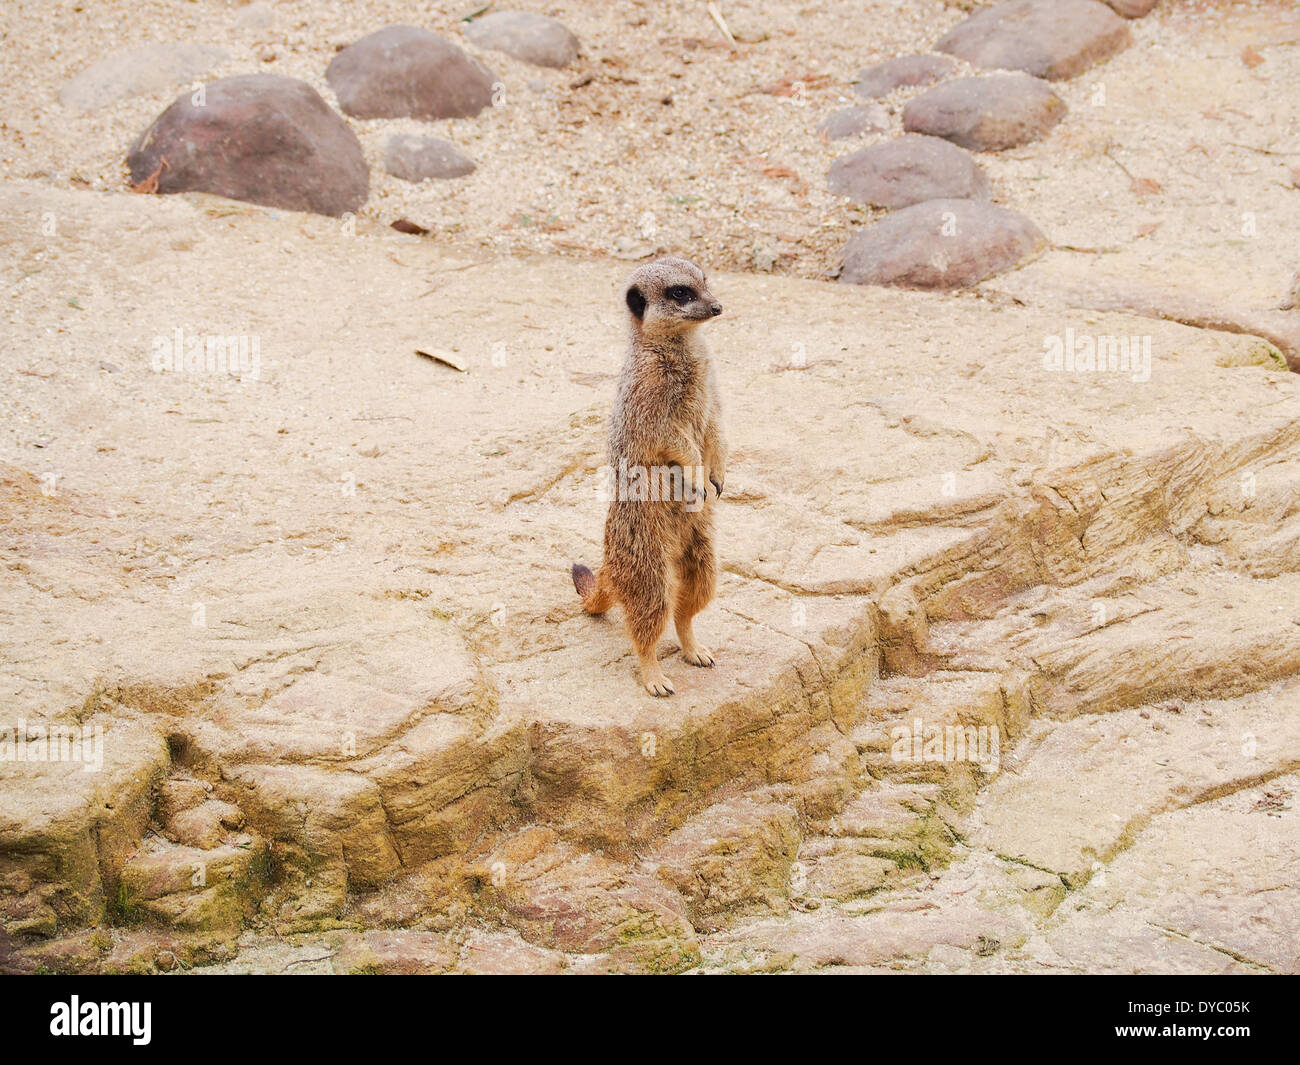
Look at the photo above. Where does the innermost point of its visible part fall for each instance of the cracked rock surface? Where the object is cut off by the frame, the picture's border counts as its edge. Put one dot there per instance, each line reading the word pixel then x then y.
pixel 323 615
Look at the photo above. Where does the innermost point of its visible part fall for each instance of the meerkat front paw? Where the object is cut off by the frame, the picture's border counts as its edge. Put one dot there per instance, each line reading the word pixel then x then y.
pixel 692 490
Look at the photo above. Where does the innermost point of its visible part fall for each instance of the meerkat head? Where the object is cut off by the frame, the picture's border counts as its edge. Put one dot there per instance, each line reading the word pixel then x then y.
pixel 669 296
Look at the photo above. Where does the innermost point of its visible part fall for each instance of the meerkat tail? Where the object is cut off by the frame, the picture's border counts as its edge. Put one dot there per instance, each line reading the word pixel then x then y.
pixel 595 592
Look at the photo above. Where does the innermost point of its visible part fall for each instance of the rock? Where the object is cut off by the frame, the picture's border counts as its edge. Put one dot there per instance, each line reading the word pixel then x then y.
pixel 141 951
pixel 260 138
pixel 852 121
pixel 908 170
pixel 962 907
pixel 1052 39
pixel 564 899
pixel 255 17
pixel 413 694
pixel 505 953
pixel 205 825
pixel 396 953
pixel 74 955
pixel 822 773
pixel 904 70
pixel 839 870
pixel 139 71
pixel 65 832
pixel 536 39
pixel 195 890
pixel 986 113
pixel 329 833
pixel 1217 872
pixel 941 244
pixel 764 258
pixel 414 158
pixel 1132 8
pixel 746 32
pixel 731 860
pixel 405 72
pixel 179 794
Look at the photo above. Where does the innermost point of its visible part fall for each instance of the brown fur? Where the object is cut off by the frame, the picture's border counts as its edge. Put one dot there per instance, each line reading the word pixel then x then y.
pixel 659 554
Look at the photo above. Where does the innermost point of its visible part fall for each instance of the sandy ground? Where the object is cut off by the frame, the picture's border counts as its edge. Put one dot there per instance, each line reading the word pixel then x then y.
pixel 592 161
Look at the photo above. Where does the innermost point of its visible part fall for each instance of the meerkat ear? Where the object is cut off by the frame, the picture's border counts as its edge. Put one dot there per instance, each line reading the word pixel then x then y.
pixel 636 302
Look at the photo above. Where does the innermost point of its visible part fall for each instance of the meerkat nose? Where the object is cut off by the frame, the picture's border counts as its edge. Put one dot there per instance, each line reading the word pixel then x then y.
pixel 715 308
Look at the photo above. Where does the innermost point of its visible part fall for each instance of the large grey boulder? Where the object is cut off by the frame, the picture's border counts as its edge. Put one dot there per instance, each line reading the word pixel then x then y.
pixel 256 137
pixel 536 39
pixel 139 71
pixel 407 72
pixel 1052 39
pixel 987 113
pixel 908 170
pixel 940 244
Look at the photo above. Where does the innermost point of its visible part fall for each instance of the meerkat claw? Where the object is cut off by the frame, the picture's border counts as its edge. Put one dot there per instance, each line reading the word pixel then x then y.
pixel 660 687
pixel 717 486
pixel 699 656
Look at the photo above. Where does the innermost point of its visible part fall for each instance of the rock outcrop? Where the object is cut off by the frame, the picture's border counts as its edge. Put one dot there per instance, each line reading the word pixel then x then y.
pixel 360 707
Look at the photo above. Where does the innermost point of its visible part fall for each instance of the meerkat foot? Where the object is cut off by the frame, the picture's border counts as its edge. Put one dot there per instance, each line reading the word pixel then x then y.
pixel 698 656
pixel 659 684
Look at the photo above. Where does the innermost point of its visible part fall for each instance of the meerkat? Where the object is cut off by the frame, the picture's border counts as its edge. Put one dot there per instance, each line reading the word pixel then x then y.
pixel 667 420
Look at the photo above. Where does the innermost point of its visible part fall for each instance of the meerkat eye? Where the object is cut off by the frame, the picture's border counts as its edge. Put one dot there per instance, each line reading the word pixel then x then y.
pixel 681 294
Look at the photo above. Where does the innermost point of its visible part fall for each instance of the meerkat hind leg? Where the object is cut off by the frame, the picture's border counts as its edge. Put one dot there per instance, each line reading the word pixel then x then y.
pixel 652 675
pixel 646 612
pixel 697 579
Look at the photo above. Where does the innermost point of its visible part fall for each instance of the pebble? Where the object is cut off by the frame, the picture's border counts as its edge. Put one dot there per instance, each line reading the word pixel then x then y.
pixel 416 159
pixel 854 121
pixel 904 70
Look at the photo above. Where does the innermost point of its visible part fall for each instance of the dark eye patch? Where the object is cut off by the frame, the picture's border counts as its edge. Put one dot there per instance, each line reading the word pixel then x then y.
pixel 681 294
